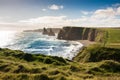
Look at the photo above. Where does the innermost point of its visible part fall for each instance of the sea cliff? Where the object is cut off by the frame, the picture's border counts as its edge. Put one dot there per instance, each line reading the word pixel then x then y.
pixel 80 33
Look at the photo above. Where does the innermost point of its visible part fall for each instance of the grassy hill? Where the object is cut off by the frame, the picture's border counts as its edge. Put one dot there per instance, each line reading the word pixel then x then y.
pixel 17 65
pixel 114 35
pixel 111 37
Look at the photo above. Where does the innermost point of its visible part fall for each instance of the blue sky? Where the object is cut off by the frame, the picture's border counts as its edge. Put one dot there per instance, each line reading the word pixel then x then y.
pixel 68 12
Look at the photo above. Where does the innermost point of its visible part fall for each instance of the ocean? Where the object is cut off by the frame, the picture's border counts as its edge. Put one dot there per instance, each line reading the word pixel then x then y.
pixel 36 43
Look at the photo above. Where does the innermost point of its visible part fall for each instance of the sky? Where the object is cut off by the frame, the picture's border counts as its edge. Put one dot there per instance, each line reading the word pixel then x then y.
pixel 34 14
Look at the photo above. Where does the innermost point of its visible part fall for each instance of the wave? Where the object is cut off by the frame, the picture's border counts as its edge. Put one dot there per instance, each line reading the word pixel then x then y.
pixel 33 42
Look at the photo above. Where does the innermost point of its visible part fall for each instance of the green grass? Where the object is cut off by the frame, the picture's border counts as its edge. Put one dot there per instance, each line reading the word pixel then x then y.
pixel 17 65
pixel 96 53
pixel 114 36
pixel 109 37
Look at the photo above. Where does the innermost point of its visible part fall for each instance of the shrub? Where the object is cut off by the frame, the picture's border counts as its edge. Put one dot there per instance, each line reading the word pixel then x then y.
pixel 5 67
pixel 28 57
pixel 22 77
pixel 110 66
pixel 58 63
pixel 35 70
pixel 8 77
pixel 40 59
pixel 44 68
pixel 62 78
pixel 74 69
pixel 60 59
pixel 41 77
pixel 21 68
pixel 55 72
pixel 48 60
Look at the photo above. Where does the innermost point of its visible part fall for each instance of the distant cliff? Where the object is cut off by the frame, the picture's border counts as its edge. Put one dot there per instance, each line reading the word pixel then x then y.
pixel 80 33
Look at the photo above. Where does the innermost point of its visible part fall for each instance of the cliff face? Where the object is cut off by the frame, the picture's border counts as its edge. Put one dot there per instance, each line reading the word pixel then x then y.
pixel 79 33
pixel 70 33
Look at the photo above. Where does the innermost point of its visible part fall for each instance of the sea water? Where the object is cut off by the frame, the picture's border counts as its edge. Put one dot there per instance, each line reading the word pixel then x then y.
pixel 36 43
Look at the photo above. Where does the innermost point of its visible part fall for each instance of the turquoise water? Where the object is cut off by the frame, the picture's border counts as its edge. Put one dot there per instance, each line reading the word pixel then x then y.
pixel 35 43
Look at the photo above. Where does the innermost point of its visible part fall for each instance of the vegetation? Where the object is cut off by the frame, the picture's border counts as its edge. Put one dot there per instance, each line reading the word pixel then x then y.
pixel 111 37
pixel 96 53
pixel 17 65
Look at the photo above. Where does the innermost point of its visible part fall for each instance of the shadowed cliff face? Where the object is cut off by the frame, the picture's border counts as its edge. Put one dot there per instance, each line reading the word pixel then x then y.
pixel 70 33
pixel 78 33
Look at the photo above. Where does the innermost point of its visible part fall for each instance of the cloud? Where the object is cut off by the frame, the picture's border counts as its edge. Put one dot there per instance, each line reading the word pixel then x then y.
pixel 104 13
pixel 48 20
pixel 118 11
pixel 86 12
pixel 109 17
pixel 44 9
pixel 56 7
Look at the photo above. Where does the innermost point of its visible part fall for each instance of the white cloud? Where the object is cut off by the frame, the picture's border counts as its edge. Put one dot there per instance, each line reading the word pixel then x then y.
pixel 86 12
pixel 109 17
pixel 49 20
pixel 118 11
pixel 56 7
pixel 104 13
pixel 44 9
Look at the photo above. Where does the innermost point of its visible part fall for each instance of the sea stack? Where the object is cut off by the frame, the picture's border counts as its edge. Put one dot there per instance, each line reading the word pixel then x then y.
pixel 51 33
pixel 45 32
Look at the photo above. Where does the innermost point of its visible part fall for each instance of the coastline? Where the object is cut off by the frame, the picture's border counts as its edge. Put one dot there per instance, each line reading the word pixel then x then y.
pixel 77 48
pixel 85 42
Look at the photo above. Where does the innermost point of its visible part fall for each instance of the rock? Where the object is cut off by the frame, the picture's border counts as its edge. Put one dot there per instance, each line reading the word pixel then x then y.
pixel 80 33
pixel 85 33
pixel 92 35
pixel 51 33
pixel 45 32
pixel 70 33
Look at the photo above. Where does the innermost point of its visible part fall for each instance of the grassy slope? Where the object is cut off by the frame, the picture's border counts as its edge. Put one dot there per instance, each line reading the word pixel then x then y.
pixel 114 35
pixel 113 40
pixel 16 65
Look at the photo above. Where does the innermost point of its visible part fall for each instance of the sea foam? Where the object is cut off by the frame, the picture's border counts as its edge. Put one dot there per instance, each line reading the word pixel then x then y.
pixel 36 43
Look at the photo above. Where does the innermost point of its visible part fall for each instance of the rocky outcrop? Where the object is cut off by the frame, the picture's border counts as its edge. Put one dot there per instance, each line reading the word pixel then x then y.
pixel 51 33
pixel 48 32
pixel 45 32
pixel 79 33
